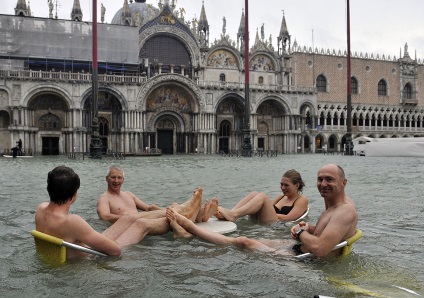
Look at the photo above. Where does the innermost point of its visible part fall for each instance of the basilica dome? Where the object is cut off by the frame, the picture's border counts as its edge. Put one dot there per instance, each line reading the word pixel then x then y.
pixel 137 8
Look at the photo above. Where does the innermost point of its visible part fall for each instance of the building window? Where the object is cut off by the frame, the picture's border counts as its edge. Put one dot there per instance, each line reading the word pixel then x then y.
pixel 261 80
pixel 382 88
pixel 222 77
pixel 407 91
pixel 354 85
pixel 321 84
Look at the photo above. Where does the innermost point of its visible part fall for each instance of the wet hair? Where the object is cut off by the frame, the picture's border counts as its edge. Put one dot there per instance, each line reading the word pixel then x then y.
pixel 115 167
pixel 295 178
pixel 62 184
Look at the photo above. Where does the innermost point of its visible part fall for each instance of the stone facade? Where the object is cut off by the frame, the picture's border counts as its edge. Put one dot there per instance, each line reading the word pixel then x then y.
pixel 156 99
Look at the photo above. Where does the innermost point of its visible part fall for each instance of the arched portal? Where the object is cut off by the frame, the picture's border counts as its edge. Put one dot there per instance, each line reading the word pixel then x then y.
pixel 50 111
pixel 168 130
pixel 224 136
pixel 110 119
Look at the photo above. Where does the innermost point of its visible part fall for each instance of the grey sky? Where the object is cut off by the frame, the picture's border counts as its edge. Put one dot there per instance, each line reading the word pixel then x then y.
pixel 377 26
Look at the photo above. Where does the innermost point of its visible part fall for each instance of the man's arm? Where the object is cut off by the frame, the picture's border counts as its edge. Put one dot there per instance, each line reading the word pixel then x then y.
pixel 84 233
pixel 141 205
pixel 334 232
pixel 103 210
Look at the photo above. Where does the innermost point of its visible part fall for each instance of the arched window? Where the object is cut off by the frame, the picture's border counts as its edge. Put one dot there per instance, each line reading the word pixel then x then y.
pixel 354 85
pixel 407 91
pixel 382 88
pixel 225 129
pixel 321 84
pixel 222 77
pixel 103 126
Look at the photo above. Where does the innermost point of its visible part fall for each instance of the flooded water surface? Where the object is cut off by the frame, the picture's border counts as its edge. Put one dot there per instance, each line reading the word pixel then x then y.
pixel 387 261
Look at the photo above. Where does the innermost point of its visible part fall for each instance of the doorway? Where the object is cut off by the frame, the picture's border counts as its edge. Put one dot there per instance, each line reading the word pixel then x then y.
pixel 166 141
pixel 50 146
pixel 261 143
pixel 223 145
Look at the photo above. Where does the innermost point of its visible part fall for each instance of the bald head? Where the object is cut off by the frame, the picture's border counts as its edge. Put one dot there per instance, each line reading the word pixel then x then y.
pixel 334 168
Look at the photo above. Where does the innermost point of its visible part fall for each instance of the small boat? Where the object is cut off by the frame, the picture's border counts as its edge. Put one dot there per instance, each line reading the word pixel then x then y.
pixel 382 147
pixel 17 156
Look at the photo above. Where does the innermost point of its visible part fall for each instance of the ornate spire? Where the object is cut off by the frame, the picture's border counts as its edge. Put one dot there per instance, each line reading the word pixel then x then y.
pixel 21 8
pixel 241 33
pixel 283 38
pixel 203 27
pixel 76 14
pixel 257 37
pixel 203 20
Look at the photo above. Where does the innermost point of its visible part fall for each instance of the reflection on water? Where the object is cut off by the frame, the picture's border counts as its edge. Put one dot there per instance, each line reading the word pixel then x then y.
pixel 389 198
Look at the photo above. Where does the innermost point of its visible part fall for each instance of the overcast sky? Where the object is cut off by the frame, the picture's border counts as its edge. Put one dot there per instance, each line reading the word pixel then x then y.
pixel 377 26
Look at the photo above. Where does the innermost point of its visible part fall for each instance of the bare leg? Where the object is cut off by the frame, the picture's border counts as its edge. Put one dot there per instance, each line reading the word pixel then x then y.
pixel 260 205
pixel 245 200
pixel 241 203
pixel 142 227
pixel 216 238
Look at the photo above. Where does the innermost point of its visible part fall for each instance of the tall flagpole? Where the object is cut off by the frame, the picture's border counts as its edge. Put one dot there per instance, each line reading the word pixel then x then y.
pixel 246 146
pixel 95 143
pixel 349 143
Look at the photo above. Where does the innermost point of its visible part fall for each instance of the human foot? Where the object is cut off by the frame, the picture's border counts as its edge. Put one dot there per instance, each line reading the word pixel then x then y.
pixel 201 213
pixel 179 231
pixel 226 214
pixel 210 210
pixel 191 208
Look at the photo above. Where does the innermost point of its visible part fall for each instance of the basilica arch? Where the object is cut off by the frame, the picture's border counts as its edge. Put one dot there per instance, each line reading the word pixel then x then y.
pixel 110 112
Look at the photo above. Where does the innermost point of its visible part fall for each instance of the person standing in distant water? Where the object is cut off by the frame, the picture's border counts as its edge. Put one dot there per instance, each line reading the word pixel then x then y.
pixel 288 206
pixel 19 146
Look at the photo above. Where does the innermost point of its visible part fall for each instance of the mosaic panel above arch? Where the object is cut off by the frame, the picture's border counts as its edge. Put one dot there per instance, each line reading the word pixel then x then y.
pixel 271 108
pixel 48 101
pixel 107 102
pixel 262 62
pixel 172 97
pixel 230 106
pixel 222 59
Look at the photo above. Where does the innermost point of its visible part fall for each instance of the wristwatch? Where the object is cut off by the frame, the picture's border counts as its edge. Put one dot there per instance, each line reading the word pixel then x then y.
pixel 298 232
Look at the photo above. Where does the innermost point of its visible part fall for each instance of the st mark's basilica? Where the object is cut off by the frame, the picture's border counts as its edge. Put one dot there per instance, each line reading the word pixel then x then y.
pixel 164 84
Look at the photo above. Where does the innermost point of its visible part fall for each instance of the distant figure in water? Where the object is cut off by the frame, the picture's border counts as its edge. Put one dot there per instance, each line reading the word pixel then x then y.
pixel 19 145
pixel 15 151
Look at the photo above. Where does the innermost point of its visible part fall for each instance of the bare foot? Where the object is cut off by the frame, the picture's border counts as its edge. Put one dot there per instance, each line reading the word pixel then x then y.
pixel 226 214
pixel 219 215
pixel 191 208
pixel 210 210
pixel 183 221
pixel 202 211
pixel 179 231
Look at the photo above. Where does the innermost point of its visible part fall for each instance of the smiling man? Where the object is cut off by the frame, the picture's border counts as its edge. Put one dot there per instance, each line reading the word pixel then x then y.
pixel 338 221
pixel 114 203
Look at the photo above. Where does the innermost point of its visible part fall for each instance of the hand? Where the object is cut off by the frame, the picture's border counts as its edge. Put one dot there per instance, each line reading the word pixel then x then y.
pixel 293 231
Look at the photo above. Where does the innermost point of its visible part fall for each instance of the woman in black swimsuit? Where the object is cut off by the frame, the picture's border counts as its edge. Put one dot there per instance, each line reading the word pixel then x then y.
pixel 288 206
